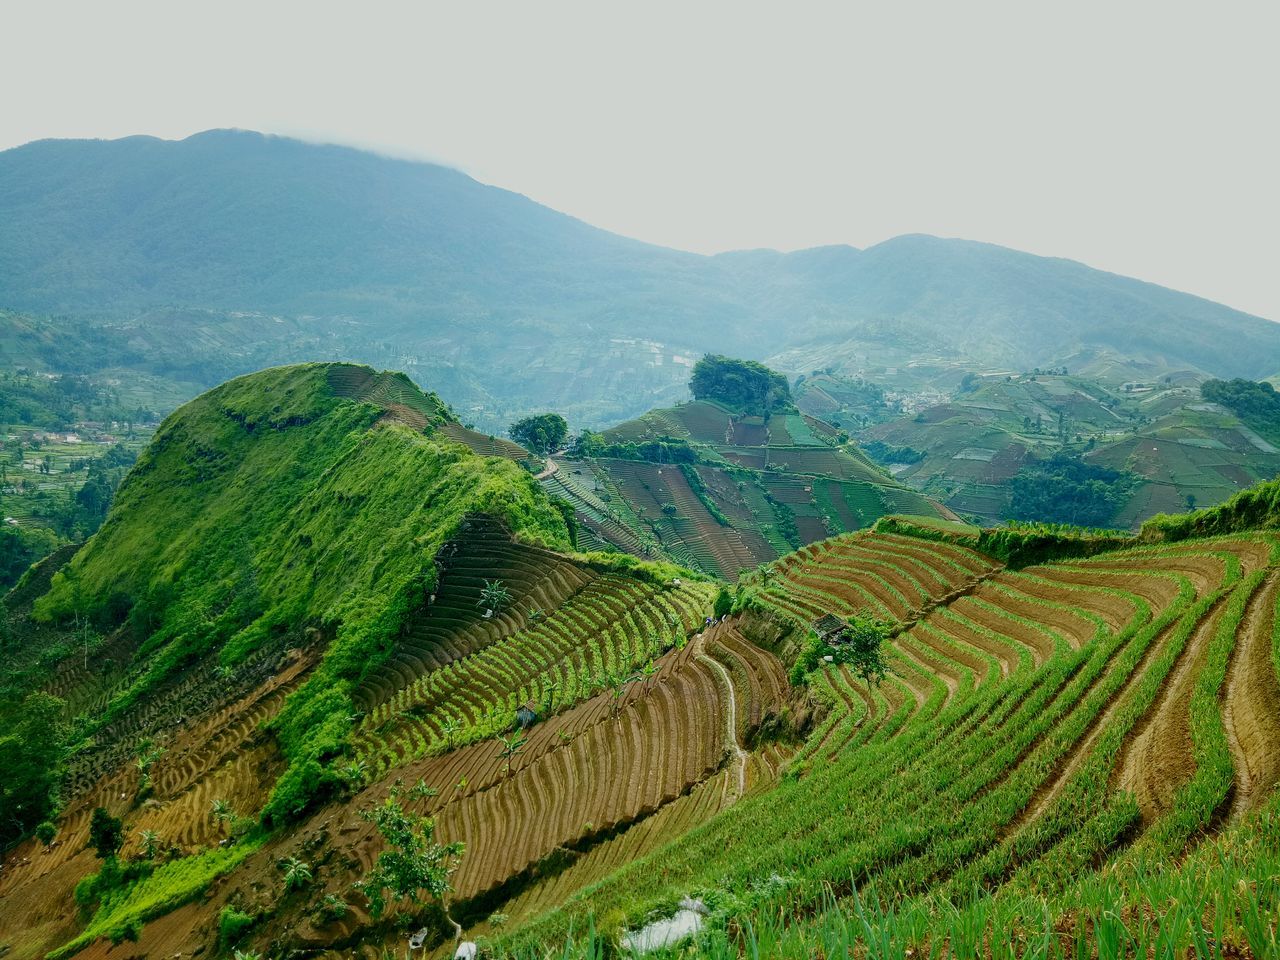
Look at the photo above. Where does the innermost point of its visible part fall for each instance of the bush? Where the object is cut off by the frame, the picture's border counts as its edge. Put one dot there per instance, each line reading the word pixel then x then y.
pixel 130 931
pixel 233 924
pixel 723 604
pixel 45 832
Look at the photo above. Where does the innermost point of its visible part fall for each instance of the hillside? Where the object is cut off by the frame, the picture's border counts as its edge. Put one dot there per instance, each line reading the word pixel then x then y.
pixel 720 490
pixel 229 251
pixel 971 450
pixel 310 603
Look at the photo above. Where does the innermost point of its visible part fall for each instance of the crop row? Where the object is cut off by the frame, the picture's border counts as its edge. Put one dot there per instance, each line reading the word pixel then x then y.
pixel 995 767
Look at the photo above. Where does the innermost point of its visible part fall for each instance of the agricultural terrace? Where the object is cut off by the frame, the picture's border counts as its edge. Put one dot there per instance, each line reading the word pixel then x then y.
pixel 566 632
pixel 1036 724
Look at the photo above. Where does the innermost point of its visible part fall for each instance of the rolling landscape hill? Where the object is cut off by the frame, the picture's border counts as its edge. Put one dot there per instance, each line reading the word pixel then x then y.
pixel 725 491
pixel 319 611
pixel 1176 448
pixel 228 251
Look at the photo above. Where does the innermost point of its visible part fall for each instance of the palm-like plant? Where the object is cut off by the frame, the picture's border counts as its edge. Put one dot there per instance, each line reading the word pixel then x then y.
pixel 221 811
pixel 354 772
pixel 510 747
pixel 297 873
pixel 617 683
pixel 494 596
pixel 451 727
pixel 150 843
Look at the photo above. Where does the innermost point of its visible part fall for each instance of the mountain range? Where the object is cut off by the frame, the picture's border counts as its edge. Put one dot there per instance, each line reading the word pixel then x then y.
pixel 247 249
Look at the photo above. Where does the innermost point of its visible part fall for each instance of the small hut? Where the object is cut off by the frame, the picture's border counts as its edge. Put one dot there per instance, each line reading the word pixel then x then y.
pixel 829 627
pixel 527 715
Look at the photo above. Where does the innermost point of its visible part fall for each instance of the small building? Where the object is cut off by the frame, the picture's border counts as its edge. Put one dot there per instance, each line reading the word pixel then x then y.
pixel 527 715
pixel 829 627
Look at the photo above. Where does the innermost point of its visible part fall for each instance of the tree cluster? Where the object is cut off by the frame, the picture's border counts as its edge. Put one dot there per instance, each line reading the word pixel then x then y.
pixel 542 433
pixel 743 384
pixel 1066 489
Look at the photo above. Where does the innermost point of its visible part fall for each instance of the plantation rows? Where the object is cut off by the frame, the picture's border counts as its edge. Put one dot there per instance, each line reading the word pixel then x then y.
pixel 889 576
pixel 482 444
pixel 594 514
pixel 453 624
pixel 597 772
pixel 609 629
pixel 1028 727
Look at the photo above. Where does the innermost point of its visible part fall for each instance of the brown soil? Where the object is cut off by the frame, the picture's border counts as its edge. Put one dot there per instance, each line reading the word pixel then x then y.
pixel 1251 704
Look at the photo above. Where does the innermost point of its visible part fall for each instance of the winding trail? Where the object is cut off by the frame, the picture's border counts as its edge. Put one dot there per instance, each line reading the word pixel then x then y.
pixel 731 715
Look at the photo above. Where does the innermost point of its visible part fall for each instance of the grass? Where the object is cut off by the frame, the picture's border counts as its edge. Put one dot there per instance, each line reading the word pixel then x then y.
pixel 166 888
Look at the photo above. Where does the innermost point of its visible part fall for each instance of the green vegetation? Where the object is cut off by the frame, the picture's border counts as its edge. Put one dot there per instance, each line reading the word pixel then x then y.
pixel 1015 544
pixel 1256 403
pixel 31 756
pixel 662 450
pixel 140 894
pixel 273 503
pixel 1257 508
pixel 1066 489
pixel 859 646
pixel 745 385
pixel 233 924
pixel 882 452
pixel 543 433
pixel 413 863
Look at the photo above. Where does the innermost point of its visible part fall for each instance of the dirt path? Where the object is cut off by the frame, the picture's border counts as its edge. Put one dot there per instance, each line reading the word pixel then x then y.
pixel 1251 704
pixel 548 470
pixel 731 715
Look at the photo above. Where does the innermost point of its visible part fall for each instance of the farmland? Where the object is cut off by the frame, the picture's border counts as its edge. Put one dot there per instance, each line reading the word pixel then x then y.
pixel 968 445
pixel 1063 752
pixel 1038 723
pixel 759 489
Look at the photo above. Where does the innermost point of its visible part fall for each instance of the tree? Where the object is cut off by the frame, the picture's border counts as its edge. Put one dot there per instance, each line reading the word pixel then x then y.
pixel 30 756
pixel 861 647
pixel 413 863
pixel 752 387
pixel 106 834
pixel 542 433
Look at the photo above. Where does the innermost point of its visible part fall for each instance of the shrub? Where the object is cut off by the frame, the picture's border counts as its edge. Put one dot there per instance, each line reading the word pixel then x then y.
pixel 233 924
pixel 45 832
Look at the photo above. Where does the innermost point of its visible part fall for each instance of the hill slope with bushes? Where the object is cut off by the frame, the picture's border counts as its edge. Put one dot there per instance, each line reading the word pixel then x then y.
pixel 323 659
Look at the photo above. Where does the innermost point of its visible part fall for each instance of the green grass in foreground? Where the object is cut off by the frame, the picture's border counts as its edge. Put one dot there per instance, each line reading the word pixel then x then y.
pixel 1223 900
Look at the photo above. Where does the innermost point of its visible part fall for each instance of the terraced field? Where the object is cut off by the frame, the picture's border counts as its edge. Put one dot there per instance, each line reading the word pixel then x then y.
pixel 1036 724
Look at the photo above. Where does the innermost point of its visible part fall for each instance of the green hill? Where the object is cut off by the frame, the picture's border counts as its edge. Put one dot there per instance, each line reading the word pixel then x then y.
pixel 312 497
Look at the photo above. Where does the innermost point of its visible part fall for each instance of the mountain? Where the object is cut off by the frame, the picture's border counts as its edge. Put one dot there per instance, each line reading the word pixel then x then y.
pixel 509 306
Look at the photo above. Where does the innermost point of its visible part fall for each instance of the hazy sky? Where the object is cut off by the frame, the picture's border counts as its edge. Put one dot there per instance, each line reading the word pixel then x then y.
pixel 1139 138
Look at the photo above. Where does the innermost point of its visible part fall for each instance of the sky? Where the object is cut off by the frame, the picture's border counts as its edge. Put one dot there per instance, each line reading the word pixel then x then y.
pixel 1140 138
